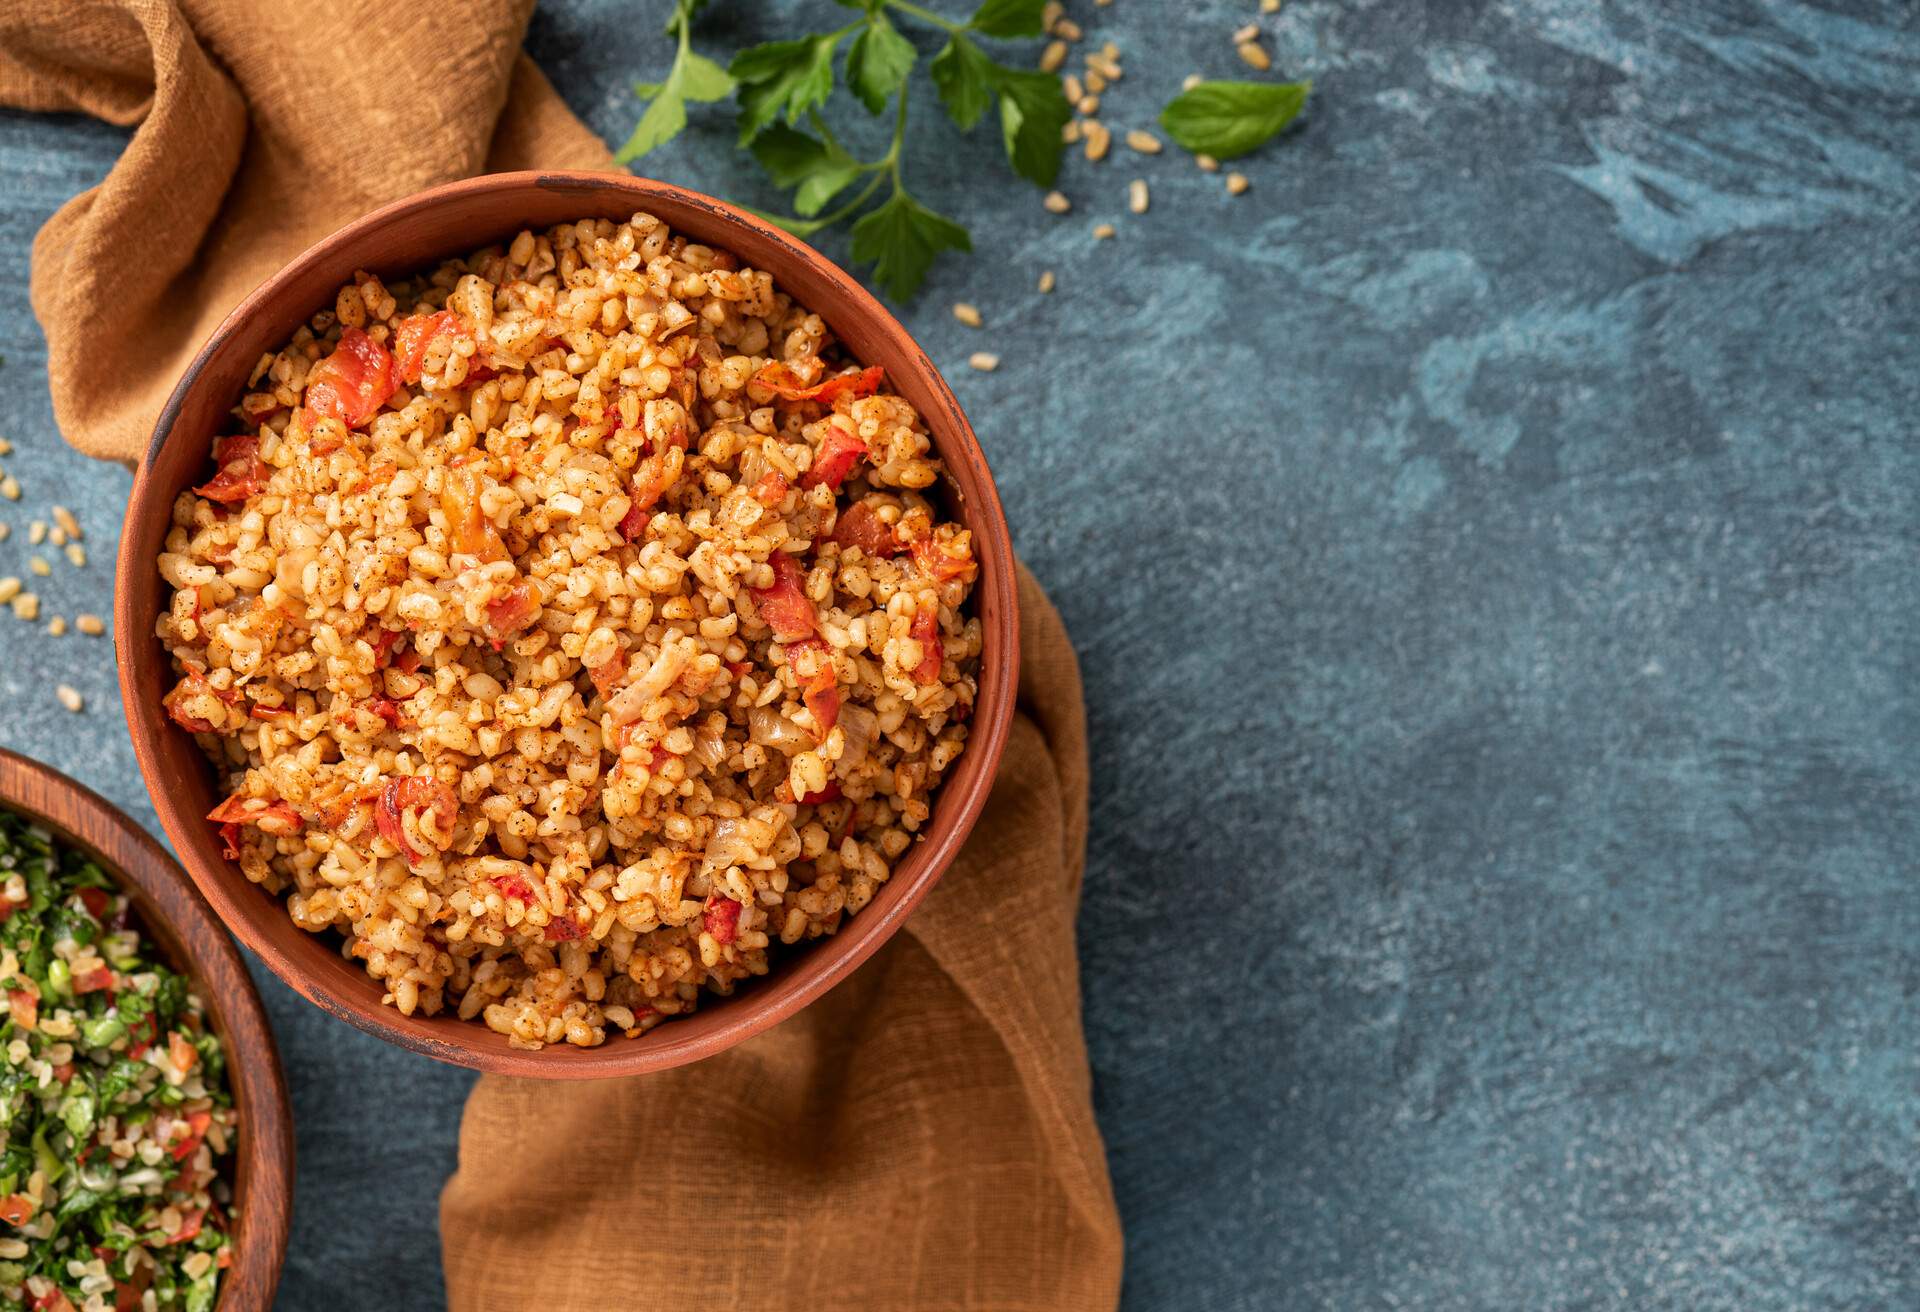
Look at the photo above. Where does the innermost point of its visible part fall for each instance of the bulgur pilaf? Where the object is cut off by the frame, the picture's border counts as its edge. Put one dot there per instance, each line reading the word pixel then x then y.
pixel 569 626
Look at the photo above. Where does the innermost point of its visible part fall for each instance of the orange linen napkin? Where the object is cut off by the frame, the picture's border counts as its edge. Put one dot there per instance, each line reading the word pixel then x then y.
pixel 922 1137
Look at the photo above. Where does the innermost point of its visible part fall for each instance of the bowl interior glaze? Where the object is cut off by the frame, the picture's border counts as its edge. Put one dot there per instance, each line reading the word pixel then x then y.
pixel 410 236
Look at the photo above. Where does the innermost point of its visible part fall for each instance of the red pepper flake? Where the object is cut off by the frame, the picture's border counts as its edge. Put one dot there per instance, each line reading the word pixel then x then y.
pixel 721 919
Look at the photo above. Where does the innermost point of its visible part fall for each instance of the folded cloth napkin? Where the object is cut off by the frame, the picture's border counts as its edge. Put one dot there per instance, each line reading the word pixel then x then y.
pixel 923 1136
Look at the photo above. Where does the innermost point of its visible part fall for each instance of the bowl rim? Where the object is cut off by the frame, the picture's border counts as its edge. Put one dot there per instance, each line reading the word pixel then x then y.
pixel 240 903
pixel 168 904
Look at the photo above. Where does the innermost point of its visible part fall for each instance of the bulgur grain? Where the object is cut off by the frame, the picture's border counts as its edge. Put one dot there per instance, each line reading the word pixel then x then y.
pixel 1102 231
pixel 37 532
pixel 1067 30
pixel 1251 32
pixel 10 488
pixel 1089 105
pixel 57 536
pixel 1236 183
pixel 91 625
pixel 1269 6
pixel 1057 203
pixel 1046 281
pixel 985 361
pixel 1143 141
pixel 967 314
pixel 1190 81
pixel 599 638
pixel 1071 84
pixel 56 627
pixel 38 564
pixel 1095 84
pixel 76 555
pixel 1098 139
pixel 70 698
pixel 1255 55
pixel 1207 163
pixel 1070 132
pixel 6 447
pixel 1137 195
pixel 1053 56
pixel 26 606
pixel 9 588
pixel 64 518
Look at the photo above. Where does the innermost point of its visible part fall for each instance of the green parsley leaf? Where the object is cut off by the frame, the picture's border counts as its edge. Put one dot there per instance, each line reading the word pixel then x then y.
pixel 692 77
pixel 1033 109
pixel 1008 18
pixel 878 62
pixel 777 76
pixel 964 77
pixel 901 237
pixel 792 158
pixel 1226 119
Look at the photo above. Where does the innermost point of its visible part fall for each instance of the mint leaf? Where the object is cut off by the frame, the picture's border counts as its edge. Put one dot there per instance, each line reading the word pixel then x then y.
pixel 878 62
pixel 901 238
pixel 964 76
pixel 1008 18
pixel 1226 119
pixel 693 77
pixel 1033 109
pixel 792 158
pixel 782 76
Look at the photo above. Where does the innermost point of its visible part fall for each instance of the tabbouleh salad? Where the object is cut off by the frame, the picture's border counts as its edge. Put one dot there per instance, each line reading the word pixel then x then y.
pixel 114 1097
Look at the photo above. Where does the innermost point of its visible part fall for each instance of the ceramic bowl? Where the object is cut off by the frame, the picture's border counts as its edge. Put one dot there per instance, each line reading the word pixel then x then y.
pixel 190 939
pixel 409 236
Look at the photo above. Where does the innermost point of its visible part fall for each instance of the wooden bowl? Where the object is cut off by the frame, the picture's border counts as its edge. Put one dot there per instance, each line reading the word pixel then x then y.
pixel 406 237
pixel 191 940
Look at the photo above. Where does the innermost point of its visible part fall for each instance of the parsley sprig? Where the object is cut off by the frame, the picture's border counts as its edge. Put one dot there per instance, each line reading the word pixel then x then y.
pixel 778 85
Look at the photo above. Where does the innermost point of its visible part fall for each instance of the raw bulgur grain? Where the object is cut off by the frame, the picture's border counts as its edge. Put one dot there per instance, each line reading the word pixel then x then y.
pixel 967 314
pixel 1102 231
pixel 1236 183
pixel 1057 203
pixel 56 626
pixel 26 606
pixel 1046 281
pixel 985 361
pixel 1255 55
pixel 70 698
pixel 1143 141
pixel 76 555
pixel 64 518
pixel 1137 195
pixel 91 625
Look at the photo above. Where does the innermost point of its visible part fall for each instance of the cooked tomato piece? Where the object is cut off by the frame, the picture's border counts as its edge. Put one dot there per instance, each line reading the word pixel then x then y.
pixel 383 645
pixel 189 1226
pixel 861 526
pixel 197 1123
pixel 512 886
pixel 510 612
pixel 820 690
pixel 721 918
pixel 51 1301
pixel 831 793
pixel 97 980
pixel 564 929
pixel 351 384
pixel 838 454
pixel 387 709
pixel 785 605
pixel 468 528
pixel 942 561
pixel 181 1052
pixel 193 685
pixel 259 712
pixel 240 810
pixel 771 490
pixel 407 793
pixel 633 523
pixel 480 373
pixel 416 334
pixel 241 471
pixel 607 677
pixel 230 840
pixel 783 382
pixel 96 901
pixel 926 631
pixel 23 1005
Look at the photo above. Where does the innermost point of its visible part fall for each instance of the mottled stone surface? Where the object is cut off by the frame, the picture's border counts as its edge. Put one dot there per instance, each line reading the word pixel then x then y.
pixel 1490 545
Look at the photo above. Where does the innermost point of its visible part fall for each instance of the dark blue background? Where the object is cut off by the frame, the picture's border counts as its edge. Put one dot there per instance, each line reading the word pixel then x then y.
pixel 1490 544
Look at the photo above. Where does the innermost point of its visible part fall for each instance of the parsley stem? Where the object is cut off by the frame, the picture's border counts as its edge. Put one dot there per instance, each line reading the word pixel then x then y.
pixel 807 227
pixel 925 15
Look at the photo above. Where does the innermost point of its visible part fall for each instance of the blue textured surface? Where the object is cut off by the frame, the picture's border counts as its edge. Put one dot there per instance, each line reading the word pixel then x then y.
pixel 1490 544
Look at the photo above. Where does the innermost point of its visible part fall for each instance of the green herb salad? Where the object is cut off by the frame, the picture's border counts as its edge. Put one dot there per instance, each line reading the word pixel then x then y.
pixel 114 1095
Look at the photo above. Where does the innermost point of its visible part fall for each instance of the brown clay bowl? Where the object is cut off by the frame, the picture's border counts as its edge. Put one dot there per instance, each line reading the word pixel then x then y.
pixel 191 940
pixel 408 236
